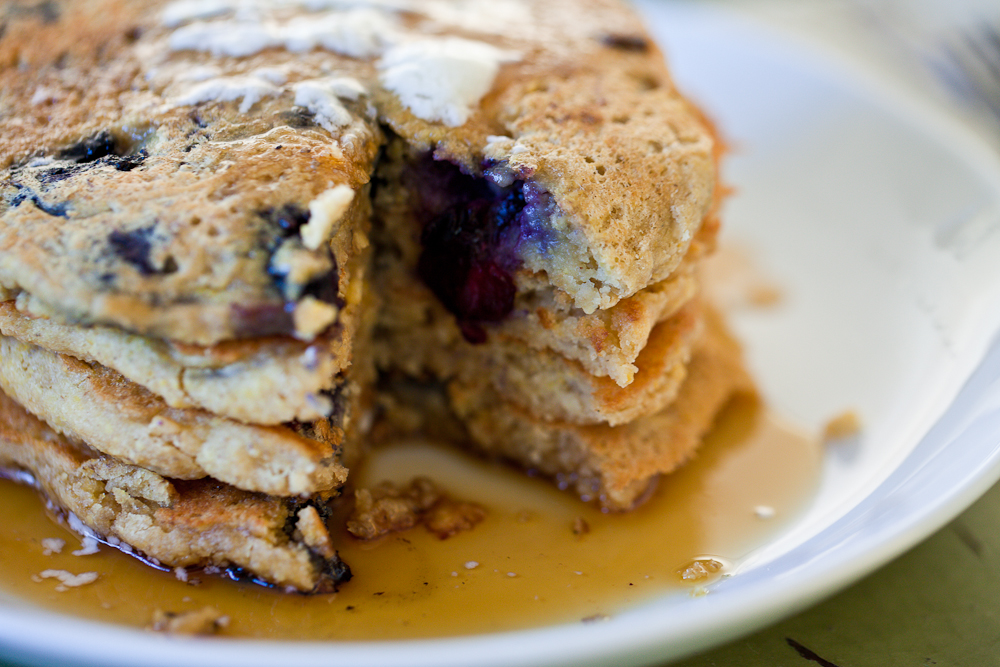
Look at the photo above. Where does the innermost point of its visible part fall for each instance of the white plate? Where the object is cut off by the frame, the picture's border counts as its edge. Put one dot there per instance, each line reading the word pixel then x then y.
pixel 879 219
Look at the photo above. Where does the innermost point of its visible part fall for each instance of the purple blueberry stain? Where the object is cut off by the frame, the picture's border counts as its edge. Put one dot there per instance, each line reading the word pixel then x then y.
pixel 473 229
pixel 135 247
pixel 539 208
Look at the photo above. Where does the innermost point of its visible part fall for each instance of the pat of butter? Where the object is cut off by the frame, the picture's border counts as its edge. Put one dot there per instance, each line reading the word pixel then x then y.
pixel 442 79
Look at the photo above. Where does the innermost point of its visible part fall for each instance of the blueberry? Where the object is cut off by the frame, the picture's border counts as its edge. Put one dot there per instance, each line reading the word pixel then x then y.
pixel 27 194
pixel 288 218
pixel 135 247
pixel 128 162
pixel 326 287
pixel 487 293
pixel 92 148
pixel 467 259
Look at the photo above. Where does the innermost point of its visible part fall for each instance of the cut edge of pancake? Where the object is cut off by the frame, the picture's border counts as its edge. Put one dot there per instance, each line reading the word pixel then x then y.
pixel 613 465
pixel 201 524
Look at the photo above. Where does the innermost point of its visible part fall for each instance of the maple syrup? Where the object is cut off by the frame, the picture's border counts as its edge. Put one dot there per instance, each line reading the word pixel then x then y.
pixel 540 557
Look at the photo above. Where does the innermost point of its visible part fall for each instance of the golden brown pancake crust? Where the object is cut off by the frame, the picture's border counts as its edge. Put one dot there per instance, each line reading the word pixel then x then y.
pixel 96 405
pixel 180 524
pixel 613 464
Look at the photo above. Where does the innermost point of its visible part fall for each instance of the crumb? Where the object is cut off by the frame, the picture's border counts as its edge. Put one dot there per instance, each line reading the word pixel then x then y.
pixel 387 508
pixel 181 574
pixel 449 517
pixel 471 565
pixel 204 621
pixel 764 296
pixel 311 530
pixel 845 425
pixel 52 545
pixel 580 526
pixel 66 579
pixel 700 570
pixel 764 512
pixel 596 618
pixel 88 546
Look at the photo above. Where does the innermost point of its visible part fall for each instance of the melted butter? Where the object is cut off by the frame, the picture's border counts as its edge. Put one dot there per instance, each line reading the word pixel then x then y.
pixel 528 564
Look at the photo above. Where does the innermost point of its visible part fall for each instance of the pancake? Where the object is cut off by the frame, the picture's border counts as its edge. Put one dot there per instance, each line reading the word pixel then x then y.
pixel 124 109
pixel 231 232
pixel 544 382
pixel 262 380
pixel 95 405
pixel 613 465
pixel 203 524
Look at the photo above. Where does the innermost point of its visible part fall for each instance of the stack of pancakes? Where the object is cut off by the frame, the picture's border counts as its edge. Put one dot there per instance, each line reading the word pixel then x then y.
pixel 603 397
pixel 221 223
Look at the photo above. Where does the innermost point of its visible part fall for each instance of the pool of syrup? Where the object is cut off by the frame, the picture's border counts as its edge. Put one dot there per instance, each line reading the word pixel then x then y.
pixel 528 564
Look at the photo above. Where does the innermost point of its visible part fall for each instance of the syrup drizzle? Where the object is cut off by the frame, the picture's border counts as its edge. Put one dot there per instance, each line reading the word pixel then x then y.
pixel 539 558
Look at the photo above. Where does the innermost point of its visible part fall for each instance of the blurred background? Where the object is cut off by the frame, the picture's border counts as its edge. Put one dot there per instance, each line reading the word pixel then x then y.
pixel 939 604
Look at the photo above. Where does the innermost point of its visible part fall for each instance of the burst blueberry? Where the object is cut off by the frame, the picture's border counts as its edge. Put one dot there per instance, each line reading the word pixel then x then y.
pixel 468 259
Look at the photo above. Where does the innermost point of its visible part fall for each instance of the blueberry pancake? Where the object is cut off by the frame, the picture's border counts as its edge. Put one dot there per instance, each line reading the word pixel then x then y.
pixel 96 405
pixel 177 524
pixel 265 380
pixel 615 465
pixel 231 231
